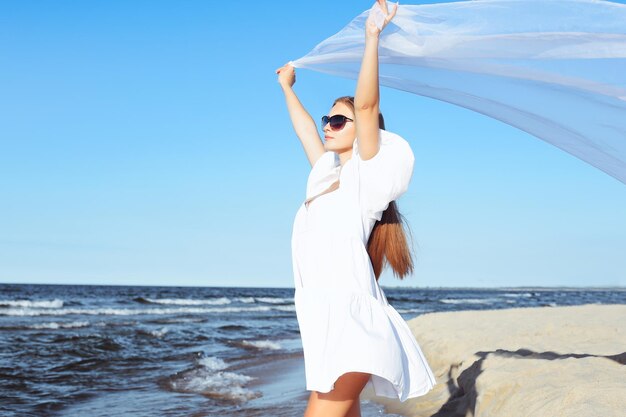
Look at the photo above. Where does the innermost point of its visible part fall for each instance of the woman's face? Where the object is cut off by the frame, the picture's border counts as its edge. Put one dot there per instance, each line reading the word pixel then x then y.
pixel 340 140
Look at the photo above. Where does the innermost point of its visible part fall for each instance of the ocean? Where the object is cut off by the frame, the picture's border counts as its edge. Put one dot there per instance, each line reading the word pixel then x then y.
pixel 73 350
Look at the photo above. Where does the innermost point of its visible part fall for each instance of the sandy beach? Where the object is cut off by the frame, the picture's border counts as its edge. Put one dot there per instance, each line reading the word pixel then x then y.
pixel 542 361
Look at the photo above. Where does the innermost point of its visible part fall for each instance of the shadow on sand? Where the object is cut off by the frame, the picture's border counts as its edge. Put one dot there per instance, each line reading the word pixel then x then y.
pixel 463 398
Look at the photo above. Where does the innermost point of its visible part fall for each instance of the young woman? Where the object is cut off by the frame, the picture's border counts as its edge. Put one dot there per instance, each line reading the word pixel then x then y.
pixel 343 233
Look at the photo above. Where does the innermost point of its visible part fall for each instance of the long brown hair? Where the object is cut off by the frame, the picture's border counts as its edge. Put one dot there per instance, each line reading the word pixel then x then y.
pixel 387 244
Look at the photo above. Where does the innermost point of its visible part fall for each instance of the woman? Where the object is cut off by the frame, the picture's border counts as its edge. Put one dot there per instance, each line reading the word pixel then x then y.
pixel 343 232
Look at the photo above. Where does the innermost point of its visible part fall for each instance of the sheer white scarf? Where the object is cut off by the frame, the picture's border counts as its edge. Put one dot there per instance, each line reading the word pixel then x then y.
pixel 553 68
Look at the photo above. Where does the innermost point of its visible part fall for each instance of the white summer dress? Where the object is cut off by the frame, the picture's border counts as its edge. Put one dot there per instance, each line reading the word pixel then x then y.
pixel 345 321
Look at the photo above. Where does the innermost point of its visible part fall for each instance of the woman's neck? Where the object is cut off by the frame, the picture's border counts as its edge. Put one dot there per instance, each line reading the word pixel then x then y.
pixel 344 156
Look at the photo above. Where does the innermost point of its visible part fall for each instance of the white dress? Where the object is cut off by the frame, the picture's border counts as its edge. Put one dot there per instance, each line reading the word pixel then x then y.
pixel 346 323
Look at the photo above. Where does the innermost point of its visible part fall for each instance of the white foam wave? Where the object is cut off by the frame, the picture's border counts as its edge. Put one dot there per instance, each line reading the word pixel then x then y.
pixel 32 304
pixel 129 311
pixel 285 308
pixel 247 300
pixel 262 344
pixel 159 333
pixel 468 300
pixel 220 384
pixel 213 363
pixel 54 325
pixel 189 302
pixel 274 300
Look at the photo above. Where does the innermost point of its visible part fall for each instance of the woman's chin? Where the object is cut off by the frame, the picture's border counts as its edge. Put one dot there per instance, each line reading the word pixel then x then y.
pixel 329 145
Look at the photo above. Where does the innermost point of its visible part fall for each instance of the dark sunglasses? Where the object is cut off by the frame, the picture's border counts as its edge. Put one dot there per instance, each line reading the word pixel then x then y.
pixel 337 122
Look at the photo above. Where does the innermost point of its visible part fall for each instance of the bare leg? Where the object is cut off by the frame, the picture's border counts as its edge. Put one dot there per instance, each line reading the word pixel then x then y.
pixel 355 410
pixel 340 401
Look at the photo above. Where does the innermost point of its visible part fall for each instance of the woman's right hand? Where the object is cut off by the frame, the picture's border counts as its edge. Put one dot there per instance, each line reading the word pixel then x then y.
pixel 286 75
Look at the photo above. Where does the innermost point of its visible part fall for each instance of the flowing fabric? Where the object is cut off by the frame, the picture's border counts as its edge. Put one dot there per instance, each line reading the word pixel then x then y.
pixel 553 68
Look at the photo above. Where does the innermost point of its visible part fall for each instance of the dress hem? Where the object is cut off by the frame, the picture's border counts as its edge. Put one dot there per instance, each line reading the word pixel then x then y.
pixel 417 393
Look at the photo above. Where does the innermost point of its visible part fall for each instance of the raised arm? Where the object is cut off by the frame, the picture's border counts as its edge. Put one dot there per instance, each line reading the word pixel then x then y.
pixel 303 123
pixel 367 96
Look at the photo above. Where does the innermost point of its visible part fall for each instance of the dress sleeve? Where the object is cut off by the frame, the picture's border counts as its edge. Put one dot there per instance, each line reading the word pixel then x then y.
pixel 386 176
pixel 323 173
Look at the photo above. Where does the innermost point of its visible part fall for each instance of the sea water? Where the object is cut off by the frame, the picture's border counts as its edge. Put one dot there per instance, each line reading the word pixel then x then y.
pixel 170 351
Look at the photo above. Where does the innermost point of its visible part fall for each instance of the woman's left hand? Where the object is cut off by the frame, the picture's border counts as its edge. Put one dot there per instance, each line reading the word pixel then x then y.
pixel 378 19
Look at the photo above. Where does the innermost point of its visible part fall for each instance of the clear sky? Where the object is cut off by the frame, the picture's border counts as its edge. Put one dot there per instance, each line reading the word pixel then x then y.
pixel 148 142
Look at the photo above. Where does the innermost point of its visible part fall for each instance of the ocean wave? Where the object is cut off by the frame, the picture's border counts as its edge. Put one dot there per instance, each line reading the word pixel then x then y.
pixel 178 320
pixel 210 380
pixel 468 300
pixel 32 304
pixel 158 333
pixel 274 300
pixel 80 365
pixel 410 310
pixel 285 308
pixel 266 300
pixel 183 301
pixel 259 344
pixel 213 363
pixel 54 325
pixel 405 299
pixel 129 311
pixel 48 326
pixel 232 327
pixel 526 294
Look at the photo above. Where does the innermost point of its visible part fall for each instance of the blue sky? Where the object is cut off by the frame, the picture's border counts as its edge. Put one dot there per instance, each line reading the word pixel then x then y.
pixel 148 143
